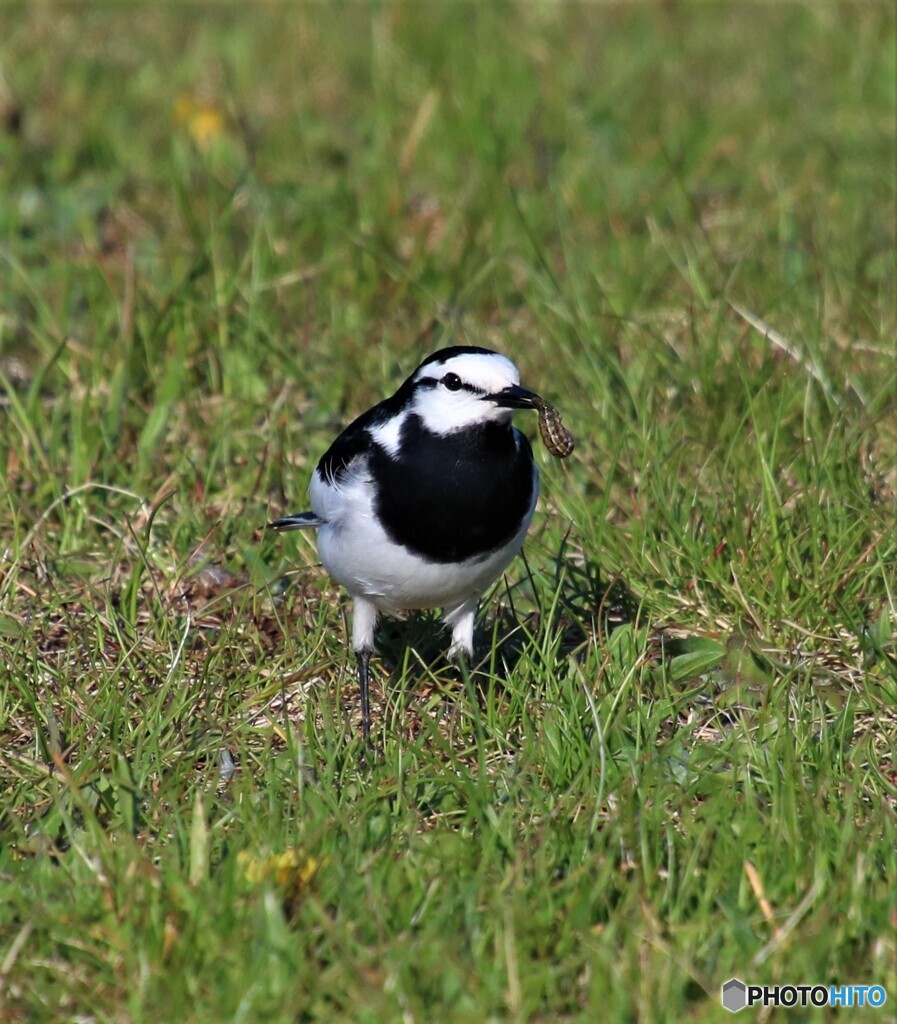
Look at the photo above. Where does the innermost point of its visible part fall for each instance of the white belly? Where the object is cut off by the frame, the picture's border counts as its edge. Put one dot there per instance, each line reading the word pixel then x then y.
pixel 357 553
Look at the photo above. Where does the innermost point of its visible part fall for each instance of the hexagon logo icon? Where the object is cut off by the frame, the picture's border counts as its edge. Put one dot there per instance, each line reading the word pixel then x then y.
pixel 734 995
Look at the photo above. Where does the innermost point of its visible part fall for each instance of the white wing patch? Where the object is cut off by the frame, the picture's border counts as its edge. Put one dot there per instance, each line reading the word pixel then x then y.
pixel 387 434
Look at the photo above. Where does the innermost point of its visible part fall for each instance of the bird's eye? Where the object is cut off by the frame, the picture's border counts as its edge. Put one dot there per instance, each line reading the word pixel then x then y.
pixel 452 381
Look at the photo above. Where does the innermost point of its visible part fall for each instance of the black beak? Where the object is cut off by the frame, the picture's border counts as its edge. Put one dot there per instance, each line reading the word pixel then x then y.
pixel 515 397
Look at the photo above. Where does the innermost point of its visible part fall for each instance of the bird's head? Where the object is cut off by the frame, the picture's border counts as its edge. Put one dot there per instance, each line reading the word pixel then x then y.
pixel 462 387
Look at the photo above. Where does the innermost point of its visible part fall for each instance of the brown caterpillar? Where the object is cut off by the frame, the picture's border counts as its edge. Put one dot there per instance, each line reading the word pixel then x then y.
pixel 555 436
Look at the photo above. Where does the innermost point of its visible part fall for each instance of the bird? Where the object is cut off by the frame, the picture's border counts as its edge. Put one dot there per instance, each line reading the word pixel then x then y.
pixel 424 500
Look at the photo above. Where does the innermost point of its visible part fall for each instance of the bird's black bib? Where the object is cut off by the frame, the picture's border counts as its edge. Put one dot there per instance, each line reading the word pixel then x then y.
pixel 451 497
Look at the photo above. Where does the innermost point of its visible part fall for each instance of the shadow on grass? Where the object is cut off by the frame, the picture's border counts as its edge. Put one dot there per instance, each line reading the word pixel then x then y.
pixel 578 609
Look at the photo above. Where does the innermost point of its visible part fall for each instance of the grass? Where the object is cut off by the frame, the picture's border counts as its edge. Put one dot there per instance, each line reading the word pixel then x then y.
pixel 222 237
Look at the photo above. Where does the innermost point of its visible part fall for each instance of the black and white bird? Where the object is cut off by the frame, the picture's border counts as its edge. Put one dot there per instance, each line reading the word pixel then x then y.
pixel 423 501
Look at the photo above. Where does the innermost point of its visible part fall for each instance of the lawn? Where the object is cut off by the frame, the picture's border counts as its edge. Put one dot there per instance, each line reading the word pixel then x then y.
pixel 223 234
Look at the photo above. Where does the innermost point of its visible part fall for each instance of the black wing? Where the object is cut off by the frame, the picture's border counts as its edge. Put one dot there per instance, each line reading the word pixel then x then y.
pixel 355 439
pixel 352 442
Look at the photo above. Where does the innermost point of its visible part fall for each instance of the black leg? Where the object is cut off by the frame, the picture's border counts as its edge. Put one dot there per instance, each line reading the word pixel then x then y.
pixel 364 675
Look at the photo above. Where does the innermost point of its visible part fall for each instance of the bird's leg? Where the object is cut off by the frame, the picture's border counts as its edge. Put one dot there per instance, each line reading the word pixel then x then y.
pixel 461 650
pixel 364 622
pixel 364 677
pixel 461 621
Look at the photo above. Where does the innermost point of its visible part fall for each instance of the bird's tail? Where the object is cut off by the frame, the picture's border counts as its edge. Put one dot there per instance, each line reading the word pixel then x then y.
pixel 300 521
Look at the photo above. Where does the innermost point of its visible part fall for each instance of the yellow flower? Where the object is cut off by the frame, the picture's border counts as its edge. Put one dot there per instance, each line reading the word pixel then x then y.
pixel 201 116
pixel 290 870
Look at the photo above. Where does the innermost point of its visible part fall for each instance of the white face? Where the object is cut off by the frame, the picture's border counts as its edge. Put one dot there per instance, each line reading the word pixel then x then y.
pixel 444 407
